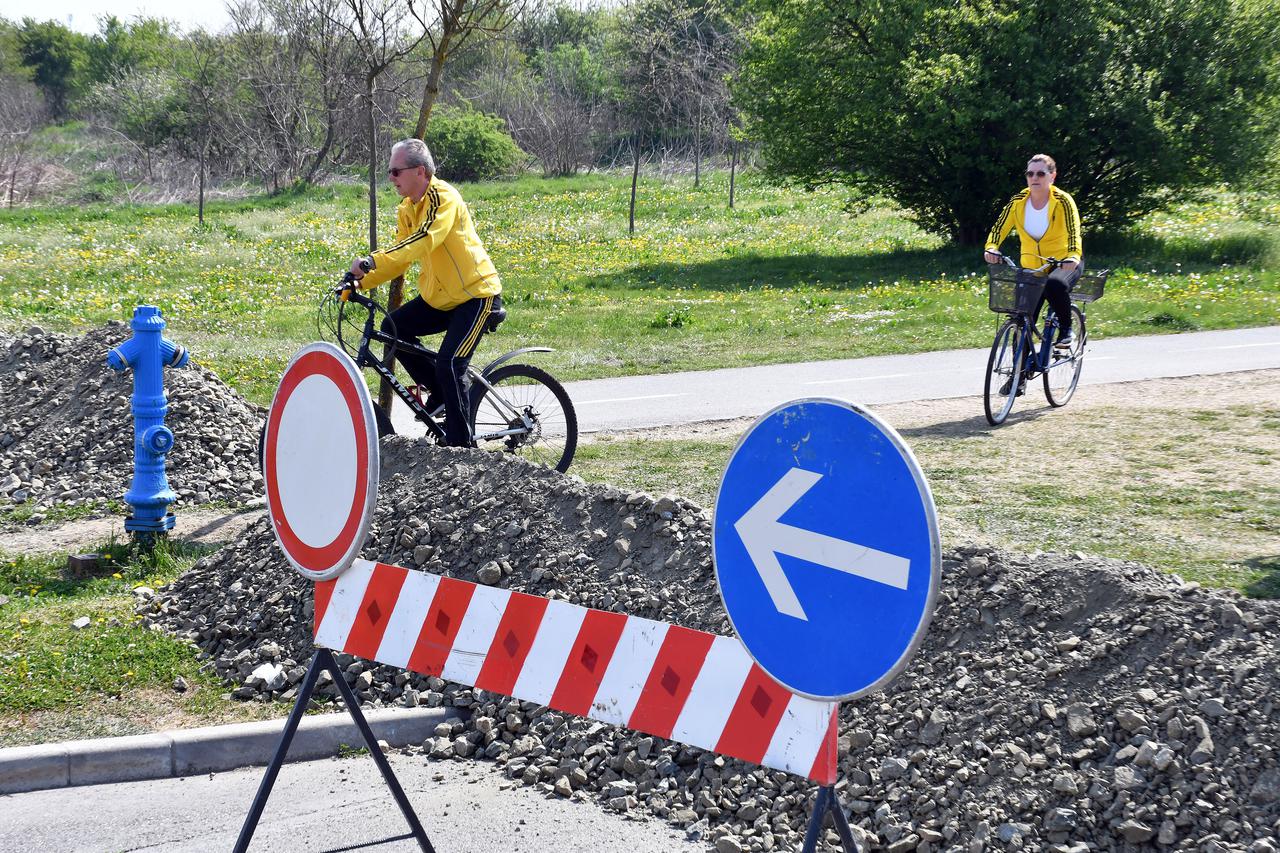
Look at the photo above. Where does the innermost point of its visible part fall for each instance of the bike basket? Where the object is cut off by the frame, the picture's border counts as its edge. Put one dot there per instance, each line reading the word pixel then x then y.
pixel 1013 291
pixel 1089 287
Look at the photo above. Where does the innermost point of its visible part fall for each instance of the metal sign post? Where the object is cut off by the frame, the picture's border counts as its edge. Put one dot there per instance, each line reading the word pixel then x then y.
pixel 825 542
pixel 320 466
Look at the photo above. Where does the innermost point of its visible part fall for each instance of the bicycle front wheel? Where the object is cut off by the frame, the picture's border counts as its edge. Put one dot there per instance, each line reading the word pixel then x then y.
pixel 526 412
pixel 1063 375
pixel 1004 373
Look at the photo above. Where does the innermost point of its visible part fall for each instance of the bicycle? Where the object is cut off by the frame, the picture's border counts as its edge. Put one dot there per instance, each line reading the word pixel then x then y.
pixel 1020 351
pixel 516 408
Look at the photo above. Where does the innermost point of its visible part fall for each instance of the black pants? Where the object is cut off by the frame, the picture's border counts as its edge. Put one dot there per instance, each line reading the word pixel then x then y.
pixel 463 327
pixel 1057 292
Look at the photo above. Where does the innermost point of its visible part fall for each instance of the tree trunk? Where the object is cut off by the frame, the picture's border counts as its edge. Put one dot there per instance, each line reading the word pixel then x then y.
pixel 733 172
pixel 370 129
pixel 200 208
pixel 635 177
pixel 697 148
pixel 432 89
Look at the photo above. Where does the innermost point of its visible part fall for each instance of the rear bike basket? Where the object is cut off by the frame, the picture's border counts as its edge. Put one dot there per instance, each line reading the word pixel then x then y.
pixel 1013 291
pixel 1089 286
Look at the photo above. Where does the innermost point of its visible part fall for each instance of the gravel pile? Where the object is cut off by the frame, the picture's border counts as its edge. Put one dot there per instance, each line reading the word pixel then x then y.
pixel 66 429
pixel 1060 702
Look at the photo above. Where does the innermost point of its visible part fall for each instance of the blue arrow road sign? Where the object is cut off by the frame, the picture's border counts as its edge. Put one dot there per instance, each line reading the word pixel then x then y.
pixel 826 548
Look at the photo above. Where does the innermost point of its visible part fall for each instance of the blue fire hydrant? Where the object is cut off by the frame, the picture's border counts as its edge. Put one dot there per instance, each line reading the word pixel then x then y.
pixel 148 352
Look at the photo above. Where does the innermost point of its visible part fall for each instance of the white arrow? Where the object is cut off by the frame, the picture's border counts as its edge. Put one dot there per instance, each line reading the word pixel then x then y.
pixel 765 538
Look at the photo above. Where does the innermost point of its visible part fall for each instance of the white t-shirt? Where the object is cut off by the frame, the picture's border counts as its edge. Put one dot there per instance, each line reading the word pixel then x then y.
pixel 1035 222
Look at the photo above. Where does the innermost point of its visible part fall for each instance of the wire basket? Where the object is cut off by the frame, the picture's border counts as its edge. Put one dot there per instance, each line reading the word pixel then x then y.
pixel 1089 286
pixel 1013 291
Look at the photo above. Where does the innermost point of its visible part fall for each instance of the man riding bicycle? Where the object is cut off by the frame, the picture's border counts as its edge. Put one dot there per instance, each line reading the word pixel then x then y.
pixel 1048 226
pixel 457 284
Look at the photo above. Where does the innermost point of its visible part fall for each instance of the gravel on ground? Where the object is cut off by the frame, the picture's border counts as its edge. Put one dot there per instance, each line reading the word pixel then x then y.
pixel 1060 701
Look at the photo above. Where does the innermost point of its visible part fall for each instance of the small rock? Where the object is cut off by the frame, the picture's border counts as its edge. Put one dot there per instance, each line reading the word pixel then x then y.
pixel 1080 721
pixel 489 574
pixel 82 623
pixel 728 844
pixel 1135 832
pixel 893 768
pixel 1267 789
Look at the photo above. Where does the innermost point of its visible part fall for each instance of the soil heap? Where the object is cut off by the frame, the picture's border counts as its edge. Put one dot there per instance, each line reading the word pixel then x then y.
pixel 66 428
pixel 1060 702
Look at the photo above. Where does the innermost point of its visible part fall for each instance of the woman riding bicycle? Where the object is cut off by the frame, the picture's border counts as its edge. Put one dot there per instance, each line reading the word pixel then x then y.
pixel 1048 226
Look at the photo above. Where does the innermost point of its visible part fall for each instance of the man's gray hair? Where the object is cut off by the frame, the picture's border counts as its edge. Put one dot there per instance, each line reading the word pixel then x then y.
pixel 416 153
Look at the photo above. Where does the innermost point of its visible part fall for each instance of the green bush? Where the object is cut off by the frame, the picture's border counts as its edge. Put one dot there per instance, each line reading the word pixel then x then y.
pixel 471 146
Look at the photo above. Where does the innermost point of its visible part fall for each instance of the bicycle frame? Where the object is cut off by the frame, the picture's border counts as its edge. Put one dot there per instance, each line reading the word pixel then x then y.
pixel 366 358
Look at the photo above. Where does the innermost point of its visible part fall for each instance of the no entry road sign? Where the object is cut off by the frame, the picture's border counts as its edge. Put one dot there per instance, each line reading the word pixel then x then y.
pixel 826 548
pixel 320 461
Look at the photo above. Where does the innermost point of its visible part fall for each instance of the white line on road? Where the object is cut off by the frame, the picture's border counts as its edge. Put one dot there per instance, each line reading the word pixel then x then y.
pixel 869 378
pixel 626 399
pixel 1243 346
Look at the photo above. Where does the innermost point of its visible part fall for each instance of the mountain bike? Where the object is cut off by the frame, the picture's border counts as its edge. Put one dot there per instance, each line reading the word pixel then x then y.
pixel 515 408
pixel 1020 351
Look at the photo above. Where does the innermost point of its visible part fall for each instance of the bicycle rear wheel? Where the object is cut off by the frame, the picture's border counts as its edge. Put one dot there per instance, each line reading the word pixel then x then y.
pixel 1004 372
pixel 1063 375
pixel 528 413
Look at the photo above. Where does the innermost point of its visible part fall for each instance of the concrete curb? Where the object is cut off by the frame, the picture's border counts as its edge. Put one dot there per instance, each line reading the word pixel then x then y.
pixel 206 750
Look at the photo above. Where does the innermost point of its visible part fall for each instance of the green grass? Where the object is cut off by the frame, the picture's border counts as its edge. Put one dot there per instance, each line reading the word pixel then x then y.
pixel 113 676
pixel 1190 506
pixel 796 274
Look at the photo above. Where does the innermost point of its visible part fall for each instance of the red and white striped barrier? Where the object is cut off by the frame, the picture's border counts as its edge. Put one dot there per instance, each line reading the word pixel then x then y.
pixel 665 680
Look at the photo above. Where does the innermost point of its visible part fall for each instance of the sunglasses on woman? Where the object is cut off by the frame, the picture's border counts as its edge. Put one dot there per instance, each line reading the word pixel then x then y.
pixel 1039 174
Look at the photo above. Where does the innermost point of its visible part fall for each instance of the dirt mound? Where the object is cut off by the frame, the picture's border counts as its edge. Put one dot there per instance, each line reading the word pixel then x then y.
pixel 1059 702
pixel 66 428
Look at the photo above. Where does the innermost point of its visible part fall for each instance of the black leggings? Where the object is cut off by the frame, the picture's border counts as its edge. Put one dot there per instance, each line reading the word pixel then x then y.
pixel 1057 292
pixel 463 327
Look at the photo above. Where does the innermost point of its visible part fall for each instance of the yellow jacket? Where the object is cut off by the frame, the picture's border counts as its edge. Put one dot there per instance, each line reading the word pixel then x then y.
pixel 1061 241
pixel 437 232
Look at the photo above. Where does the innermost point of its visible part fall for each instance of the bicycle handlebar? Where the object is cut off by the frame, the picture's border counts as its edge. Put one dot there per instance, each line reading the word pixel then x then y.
pixel 1050 263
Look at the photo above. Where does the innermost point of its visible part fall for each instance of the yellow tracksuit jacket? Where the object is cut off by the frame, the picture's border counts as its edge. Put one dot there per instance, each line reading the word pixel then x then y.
pixel 1061 241
pixel 453 266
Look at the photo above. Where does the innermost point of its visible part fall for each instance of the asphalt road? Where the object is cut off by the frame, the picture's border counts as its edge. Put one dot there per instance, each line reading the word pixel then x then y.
pixel 638 402
pixel 331 805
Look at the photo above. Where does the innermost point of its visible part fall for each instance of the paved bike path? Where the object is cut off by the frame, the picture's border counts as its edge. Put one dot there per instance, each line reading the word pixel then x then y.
pixel 637 402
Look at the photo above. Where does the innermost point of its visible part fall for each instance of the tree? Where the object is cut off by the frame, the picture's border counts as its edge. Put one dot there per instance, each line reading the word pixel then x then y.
pixel 296 85
pixel 20 115
pixel 454 22
pixel 56 57
pixel 118 48
pixel 145 106
pixel 561 107
pixel 939 105
pixel 379 31
pixel 204 76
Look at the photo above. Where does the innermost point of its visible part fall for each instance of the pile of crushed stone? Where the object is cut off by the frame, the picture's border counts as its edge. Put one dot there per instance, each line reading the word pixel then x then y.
pixel 1059 702
pixel 66 428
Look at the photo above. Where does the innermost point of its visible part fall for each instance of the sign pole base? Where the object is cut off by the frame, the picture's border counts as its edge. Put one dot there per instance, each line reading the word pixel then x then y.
pixel 827 801
pixel 323 660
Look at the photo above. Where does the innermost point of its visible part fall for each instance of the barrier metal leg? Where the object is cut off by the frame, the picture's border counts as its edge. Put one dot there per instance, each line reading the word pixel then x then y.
pixel 827 801
pixel 323 660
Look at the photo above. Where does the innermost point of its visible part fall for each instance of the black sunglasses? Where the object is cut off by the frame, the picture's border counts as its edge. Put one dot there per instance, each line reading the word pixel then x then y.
pixel 1036 174
pixel 395 173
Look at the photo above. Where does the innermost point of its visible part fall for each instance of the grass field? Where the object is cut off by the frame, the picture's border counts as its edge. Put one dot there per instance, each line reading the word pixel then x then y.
pixel 1197 495
pixel 110 677
pixel 798 275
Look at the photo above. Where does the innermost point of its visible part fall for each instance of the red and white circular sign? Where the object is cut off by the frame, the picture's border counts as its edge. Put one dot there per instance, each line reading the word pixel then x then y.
pixel 320 461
